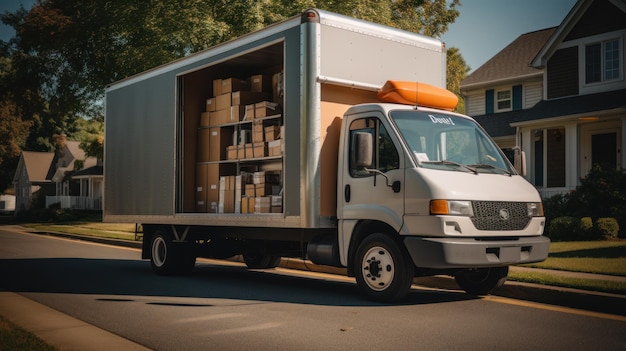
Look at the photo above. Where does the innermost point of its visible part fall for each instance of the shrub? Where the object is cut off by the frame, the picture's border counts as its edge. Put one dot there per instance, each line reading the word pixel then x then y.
pixel 607 228
pixel 563 228
pixel 585 229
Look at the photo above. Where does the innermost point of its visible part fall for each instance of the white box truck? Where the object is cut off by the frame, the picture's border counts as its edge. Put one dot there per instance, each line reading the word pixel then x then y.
pixel 277 144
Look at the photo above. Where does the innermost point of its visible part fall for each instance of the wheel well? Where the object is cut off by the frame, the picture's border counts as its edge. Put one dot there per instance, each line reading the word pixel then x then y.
pixel 361 231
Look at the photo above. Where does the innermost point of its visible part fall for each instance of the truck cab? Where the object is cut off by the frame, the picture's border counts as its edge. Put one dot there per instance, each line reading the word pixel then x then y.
pixel 428 189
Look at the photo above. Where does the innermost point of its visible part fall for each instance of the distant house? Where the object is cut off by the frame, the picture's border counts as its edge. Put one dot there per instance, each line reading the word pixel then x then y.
pixel 32 177
pixel 559 94
pixel 66 177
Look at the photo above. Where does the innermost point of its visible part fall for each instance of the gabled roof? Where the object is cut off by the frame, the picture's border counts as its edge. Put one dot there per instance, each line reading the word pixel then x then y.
pixel 37 165
pixel 608 10
pixel 512 62
pixel 499 124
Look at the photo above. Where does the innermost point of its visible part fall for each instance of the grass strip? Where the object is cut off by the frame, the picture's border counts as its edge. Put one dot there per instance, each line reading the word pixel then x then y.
pixel 13 337
pixel 606 286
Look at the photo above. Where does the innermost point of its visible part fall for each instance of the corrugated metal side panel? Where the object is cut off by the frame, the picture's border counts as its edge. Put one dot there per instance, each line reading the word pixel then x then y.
pixel 140 145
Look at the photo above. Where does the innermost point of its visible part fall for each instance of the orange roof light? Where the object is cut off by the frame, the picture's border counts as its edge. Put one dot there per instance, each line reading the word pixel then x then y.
pixel 416 93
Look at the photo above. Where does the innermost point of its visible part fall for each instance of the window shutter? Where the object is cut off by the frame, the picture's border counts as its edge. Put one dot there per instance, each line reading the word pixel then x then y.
pixel 517 97
pixel 489 101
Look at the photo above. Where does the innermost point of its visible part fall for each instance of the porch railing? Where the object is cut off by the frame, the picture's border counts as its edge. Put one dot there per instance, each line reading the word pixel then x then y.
pixel 75 202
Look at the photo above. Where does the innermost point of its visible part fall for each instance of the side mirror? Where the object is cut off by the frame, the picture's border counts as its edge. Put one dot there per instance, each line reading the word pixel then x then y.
pixel 519 161
pixel 364 149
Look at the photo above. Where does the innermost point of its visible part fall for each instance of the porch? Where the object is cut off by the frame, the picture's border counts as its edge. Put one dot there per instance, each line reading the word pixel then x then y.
pixel 75 202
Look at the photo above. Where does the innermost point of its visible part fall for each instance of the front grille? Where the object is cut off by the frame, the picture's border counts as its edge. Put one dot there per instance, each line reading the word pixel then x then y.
pixel 497 215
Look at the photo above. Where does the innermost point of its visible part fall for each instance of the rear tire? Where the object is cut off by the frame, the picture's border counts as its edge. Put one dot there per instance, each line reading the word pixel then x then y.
pixel 482 281
pixel 383 268
pixel 168 257
pixel 261 261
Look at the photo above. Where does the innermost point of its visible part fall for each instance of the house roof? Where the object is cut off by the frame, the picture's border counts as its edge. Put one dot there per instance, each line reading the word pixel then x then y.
pixel 612 13
pixel 512 62
pixel 499 124
pixel 37 165
pixel 91 171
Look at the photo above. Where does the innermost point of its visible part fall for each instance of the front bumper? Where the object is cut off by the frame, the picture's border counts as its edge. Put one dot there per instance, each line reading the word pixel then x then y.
pixel 443 253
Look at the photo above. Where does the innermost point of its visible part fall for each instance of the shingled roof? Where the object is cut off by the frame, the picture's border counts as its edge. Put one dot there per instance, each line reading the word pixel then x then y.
pixel 512 62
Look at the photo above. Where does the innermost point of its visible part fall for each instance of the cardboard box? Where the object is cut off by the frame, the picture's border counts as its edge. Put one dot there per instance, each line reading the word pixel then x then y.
pixel 219 139
pixel 210 105
pixel 272 133
pixel 261 83
pixel 201 187
pixel 237 113
pixel 223 101
pixel 278 87
pixel 274 148
pixel 226 200
pixel 213 179
pixel 203 145
pixel 259 149
pixel 231 152
pixel 262 205
pixel 249 115
pixel 270 177
pixel 234 84
pixel 204 119
pixel 265 189
pixel 266 108
pixel 247 204
pixel 276 200
pixel 219 117
pixel 217 87
pixel 248 97
pixel 276 209
pixel 249 190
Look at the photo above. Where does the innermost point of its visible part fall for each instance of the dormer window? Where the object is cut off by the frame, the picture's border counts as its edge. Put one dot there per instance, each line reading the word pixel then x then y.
pixel 602 61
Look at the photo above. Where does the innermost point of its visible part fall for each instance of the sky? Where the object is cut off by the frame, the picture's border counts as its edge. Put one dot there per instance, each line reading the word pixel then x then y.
pixel 483 28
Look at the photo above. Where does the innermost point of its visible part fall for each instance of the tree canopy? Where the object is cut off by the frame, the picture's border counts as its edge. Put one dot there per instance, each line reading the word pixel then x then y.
pixel 65 52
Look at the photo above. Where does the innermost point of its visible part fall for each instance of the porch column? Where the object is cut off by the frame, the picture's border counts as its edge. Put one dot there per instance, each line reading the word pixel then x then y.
pixel 571 156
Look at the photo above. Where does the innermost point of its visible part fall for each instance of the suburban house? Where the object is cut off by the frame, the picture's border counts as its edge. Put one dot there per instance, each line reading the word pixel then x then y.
pixel 559 94
pixel 66 177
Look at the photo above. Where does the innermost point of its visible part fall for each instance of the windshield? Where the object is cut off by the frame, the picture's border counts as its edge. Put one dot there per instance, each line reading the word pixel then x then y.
pixel 448 142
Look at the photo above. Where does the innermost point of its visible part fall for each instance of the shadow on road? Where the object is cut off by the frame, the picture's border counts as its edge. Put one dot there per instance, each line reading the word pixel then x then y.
pixel 135 278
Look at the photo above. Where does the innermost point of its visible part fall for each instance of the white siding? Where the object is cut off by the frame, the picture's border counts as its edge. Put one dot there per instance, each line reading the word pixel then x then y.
pixel 533 93
pixel 475 103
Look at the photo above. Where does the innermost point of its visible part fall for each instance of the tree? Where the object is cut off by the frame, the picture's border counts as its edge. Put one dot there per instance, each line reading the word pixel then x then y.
pixel 65 52
pixel 456 71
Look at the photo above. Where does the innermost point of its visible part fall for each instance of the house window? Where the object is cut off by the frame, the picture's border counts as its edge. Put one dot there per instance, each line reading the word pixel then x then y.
pixel 602 61
pixel 503 100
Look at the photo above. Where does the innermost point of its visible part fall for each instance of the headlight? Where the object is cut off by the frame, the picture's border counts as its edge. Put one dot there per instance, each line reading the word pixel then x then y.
pixel 451 207
pixel 534 209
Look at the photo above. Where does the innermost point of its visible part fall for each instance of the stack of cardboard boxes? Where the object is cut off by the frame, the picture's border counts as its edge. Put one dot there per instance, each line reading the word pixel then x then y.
pixel 235 127
pixel 263 193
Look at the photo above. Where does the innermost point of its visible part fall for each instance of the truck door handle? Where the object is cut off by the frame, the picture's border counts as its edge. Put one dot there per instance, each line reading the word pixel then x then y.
pixel 346 193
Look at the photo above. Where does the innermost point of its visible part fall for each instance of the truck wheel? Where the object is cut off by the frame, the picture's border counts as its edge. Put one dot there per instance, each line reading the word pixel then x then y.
pixel 384 271
pixel 169 258
pixel 482 281
pixel 261 261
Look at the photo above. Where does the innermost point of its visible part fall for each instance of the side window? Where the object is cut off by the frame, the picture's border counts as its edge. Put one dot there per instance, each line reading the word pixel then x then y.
pixel 385 155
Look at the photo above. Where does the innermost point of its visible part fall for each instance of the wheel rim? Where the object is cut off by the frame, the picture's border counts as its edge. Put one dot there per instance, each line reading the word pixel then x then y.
pixel 377 268
pixel 159 251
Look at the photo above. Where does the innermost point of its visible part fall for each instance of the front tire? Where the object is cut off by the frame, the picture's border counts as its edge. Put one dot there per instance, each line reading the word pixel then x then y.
pixel 384 270
pixel 169 258
pixel 482 281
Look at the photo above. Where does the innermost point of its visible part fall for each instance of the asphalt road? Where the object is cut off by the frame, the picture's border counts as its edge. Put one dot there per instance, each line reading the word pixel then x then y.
pixel 224 306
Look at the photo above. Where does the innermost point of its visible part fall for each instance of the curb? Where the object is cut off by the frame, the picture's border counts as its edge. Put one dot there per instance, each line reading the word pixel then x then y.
pixel 592 301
